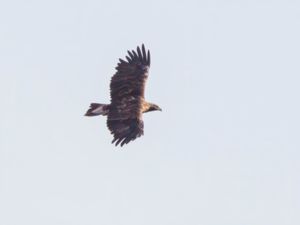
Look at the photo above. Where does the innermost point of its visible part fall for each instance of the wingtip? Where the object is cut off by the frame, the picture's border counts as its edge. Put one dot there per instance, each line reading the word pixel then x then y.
pixel 129 60
pixel 148 57
pixel 130 54
pixel 139 52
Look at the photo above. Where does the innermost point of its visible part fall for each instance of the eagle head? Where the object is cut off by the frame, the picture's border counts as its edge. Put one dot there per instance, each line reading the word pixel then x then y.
pixel 152 107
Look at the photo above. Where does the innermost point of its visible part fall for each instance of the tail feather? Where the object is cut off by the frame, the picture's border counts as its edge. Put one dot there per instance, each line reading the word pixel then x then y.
pixel 97 109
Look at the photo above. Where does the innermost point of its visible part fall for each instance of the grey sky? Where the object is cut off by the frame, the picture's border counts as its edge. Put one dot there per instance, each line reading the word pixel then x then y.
pixel 225 149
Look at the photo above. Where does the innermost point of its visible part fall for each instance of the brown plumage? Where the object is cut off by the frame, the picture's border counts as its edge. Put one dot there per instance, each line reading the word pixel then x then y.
pixel 127 88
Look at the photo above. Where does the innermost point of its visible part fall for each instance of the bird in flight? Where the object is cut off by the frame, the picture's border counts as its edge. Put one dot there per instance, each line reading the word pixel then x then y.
pixel 127 93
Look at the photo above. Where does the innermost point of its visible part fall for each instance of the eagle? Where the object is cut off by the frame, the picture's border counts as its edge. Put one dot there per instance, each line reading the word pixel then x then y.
pixel 127 93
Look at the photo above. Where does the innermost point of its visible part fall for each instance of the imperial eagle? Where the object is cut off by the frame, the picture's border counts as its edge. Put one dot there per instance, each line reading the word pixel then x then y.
pixel 127 92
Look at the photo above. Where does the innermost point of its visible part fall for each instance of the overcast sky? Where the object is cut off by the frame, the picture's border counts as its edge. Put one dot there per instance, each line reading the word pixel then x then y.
pixel 224 151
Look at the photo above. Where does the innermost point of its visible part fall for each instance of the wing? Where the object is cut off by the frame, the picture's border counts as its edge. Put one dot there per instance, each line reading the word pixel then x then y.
pixel 131 75
pixel 127 95
pixel 125 131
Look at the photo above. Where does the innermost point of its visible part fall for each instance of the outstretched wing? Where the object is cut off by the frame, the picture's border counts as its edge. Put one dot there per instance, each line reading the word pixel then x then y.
pixel 127 95
pixel 126 130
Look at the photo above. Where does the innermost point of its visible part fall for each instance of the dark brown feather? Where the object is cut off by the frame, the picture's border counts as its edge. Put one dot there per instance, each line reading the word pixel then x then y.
pixel 139 53
pixel 131 55
pixel 144 54
pixel 135 55
pixel 148 58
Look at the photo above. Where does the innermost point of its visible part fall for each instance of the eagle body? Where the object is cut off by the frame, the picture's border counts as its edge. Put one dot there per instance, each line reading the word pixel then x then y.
pixel 127 88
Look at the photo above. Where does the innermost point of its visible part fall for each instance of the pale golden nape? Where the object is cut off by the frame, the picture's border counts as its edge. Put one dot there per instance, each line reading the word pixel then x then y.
pixel 148 107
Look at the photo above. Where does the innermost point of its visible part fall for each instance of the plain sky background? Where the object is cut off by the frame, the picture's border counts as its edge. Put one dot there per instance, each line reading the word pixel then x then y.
pixel 224 151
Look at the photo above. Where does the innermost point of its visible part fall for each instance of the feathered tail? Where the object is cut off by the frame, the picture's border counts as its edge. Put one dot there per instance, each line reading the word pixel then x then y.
pixel 97 109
